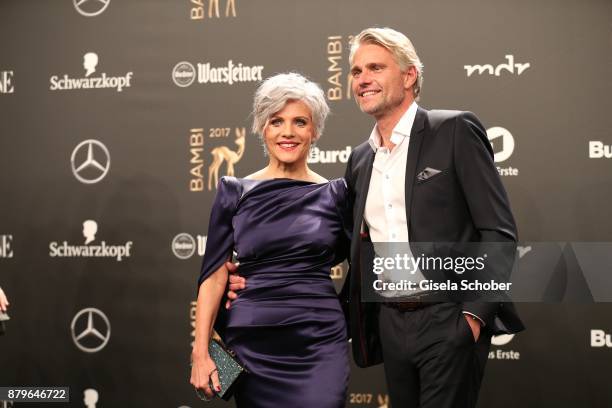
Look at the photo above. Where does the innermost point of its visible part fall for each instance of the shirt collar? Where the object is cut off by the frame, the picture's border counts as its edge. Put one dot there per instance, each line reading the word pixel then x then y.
pixel 400 131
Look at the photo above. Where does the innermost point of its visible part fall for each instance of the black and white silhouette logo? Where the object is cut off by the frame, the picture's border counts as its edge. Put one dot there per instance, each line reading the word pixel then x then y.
pixel 65 82
pixel 90 8
pixel 90 398
pixel 90 161
pixel 90 330
pixel 183 74
pixel 99 250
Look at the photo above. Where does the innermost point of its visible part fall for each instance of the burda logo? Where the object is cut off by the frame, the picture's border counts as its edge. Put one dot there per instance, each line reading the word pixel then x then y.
pixel 90 63
pixel 598 150
pixel 599 338
pixel 102 250
pixel 329 156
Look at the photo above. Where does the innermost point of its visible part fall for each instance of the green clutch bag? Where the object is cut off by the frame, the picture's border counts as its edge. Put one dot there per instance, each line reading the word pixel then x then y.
pixel 228 369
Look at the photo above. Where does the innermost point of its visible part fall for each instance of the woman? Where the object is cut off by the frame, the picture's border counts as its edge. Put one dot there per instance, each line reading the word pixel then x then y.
pixel 286 224
pixel 4 303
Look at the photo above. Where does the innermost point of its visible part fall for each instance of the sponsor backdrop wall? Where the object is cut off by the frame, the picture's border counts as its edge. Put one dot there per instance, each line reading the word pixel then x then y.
pixel 118 117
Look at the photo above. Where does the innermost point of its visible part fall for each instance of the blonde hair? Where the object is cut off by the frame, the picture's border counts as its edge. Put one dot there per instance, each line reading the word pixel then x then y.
pixel 397 44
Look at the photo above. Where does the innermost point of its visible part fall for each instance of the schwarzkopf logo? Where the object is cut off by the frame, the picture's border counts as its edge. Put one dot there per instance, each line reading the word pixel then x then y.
pixel 90 330
pixel 90 8
pixel 90 229
pixel 184 73
pixel 90 161
pixel 184 245
pixel 511 67
pixel 6 82
pixel 5 246
pixel 90 63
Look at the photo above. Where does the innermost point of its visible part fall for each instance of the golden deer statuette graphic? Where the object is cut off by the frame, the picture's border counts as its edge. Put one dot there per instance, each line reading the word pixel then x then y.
pixel 214 4
pixel 223 153
pixel 383 401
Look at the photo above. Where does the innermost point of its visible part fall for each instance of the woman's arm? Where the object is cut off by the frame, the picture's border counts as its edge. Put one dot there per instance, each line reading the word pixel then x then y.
pixel 203 368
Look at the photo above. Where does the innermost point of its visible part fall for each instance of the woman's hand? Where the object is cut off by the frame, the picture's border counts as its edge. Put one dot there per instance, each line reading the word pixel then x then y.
pixel 203 372
pixel 3 301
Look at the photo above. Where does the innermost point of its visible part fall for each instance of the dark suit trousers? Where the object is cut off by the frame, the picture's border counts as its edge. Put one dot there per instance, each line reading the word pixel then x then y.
pixel 431 358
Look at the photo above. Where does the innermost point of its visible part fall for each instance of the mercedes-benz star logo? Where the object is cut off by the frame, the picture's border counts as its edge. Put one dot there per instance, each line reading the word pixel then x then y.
pixel 91 336
pixel 90 8
pixel 90 170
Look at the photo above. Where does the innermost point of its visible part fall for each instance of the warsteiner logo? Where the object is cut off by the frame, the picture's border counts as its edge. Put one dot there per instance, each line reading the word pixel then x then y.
pixel 90 63
pixel 102 250
pixel 184 73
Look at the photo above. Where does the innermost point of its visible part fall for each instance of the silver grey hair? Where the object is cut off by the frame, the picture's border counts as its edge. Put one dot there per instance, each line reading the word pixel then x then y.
pixel 398 44
pixel 274 93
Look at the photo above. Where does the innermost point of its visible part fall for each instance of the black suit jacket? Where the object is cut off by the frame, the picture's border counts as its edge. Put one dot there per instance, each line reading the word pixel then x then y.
pixel 465 202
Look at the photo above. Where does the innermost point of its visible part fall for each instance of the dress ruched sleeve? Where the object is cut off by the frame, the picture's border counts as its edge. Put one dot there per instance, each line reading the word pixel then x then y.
pixel 220 240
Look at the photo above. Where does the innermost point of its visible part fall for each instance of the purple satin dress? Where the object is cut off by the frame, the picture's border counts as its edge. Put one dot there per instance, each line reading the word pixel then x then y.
pixel 287 326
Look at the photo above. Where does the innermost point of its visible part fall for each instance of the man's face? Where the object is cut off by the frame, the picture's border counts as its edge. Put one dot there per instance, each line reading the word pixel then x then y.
pixel 379 86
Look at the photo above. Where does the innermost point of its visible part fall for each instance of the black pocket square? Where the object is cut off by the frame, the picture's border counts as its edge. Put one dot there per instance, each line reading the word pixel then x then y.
pixel 427 173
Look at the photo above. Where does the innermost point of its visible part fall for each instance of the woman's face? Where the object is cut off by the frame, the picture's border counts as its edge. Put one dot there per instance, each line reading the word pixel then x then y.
pixel 289 134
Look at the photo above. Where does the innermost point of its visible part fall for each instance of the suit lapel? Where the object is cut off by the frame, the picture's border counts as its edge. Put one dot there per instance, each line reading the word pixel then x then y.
pixel 364 187
pixel 414 149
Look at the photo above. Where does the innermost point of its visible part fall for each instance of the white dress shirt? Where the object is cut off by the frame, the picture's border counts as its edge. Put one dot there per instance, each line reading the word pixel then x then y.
pixel 385 209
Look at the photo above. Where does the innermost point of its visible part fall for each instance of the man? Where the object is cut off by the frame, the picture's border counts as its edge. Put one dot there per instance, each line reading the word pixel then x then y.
pixel 422 176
